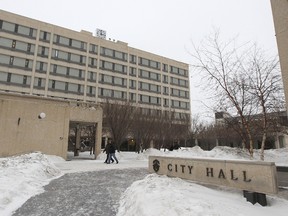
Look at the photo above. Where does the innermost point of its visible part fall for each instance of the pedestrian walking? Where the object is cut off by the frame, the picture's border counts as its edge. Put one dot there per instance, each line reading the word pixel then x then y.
pixel 112 153
pixel 107 150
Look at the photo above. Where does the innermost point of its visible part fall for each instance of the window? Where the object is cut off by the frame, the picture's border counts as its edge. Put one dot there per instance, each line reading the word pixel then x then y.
pixel 56 53
pixel 165 90
pixel 3 76
pixel 106 78
pixel 7 26
pixel 91 76
pixel 14 44
pixel 144 74
pixel 133 59
pixel 144 61
pixel 144 86
pixel 132 71
pixel 27 63
pixel 113 54
pixel 119 94
pixel 16 28
pixel 92 62
pixel 45 36
pixel 166 102
pixel 54 68
pixel 43 51
pixel 165 79
pixel 179 71
pixel 29 47
pixel 149 63
pixel 93 48
pixel 144 98
pixel 164 67
pixel 11 60
pixel 132 84
pixel 132 96
pixel 41 66
pixel 91 91
pixel 106 52
pixel 113 67
pixel 105 92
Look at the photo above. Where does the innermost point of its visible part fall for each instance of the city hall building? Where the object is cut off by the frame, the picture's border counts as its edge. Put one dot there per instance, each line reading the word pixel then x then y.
pixel 41 60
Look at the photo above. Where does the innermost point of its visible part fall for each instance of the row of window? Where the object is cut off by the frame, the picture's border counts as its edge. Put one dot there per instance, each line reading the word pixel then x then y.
pixel 67 71
pixel 15 79
pixel 105 65
pixel 18 29
pixel 44 51
pixel 67 56
pixel 67 87
pixel 17 45
pixel 113 54
pixel 81 45
pixel 64 86
pixel 16 62
pixel 112 80
pixel 109 93
pixel 149 87
pixel 149 63
pixel 68 42
pixel 78 73
pixel 177 115
pixel 179 82
pixel 149 75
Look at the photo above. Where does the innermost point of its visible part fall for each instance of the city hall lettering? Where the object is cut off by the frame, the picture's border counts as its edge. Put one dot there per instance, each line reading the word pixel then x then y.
pixel 210 172
pixel 251 175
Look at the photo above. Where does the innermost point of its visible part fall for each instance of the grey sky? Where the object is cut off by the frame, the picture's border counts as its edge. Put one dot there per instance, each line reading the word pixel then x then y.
pixel 164 27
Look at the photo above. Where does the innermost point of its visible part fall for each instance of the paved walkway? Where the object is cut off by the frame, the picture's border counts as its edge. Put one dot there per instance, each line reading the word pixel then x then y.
pixel 94 193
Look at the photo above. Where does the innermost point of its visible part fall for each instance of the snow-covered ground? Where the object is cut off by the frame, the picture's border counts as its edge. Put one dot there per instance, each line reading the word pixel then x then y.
pixel 24 176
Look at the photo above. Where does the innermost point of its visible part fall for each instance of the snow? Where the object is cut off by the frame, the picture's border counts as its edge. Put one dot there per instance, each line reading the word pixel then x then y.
pixel 24 176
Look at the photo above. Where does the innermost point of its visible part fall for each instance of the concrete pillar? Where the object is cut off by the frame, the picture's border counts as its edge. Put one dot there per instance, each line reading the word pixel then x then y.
pixel 77 144
pixel 277 143
pixel 98 138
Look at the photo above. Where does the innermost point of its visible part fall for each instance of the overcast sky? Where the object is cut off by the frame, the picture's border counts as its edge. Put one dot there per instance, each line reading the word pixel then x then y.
pixel 163 27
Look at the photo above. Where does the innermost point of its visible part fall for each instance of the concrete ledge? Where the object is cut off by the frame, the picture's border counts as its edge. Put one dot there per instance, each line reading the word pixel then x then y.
pixel 252 176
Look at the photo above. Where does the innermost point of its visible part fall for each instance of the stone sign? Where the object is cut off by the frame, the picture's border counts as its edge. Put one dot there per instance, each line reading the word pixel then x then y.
pixel 253 176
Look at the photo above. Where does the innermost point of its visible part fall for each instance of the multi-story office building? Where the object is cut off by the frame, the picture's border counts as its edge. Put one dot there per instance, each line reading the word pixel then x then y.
pixel 42 59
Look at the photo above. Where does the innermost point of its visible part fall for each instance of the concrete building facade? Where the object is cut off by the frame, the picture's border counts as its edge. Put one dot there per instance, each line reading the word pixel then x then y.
pixel 30 123
pixel 41 59
pixel 280 17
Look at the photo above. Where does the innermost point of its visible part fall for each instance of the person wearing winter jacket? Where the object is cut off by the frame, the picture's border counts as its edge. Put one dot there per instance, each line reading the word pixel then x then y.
pixel 107 150
pixel 112 154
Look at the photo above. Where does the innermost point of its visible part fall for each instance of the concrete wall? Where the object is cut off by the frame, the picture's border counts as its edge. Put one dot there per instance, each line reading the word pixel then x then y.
pixel 280 17
pixel 22 131
pixel 253 176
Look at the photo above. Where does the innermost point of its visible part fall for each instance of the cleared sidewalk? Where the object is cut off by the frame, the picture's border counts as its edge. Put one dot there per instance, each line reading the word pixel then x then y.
pixel 94 193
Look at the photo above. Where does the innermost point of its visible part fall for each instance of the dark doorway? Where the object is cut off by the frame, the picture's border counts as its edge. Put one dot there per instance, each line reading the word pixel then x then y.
pixel 81 140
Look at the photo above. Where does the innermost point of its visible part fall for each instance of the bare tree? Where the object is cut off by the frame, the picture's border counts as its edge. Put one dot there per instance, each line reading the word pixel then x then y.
pixel 197 128
pixel 265 85
pixel 143 128
pixel 118 118
pixel 221 66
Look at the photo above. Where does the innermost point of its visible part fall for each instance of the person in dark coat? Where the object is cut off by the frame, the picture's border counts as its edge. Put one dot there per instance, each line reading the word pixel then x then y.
pixel 107 150
pixel 112 154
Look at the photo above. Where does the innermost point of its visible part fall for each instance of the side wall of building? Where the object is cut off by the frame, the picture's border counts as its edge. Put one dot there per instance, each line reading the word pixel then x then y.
pixel 280 16
pixel 23 131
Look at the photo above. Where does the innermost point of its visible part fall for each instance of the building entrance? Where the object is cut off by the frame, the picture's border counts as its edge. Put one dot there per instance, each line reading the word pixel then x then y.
pixel 81 140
